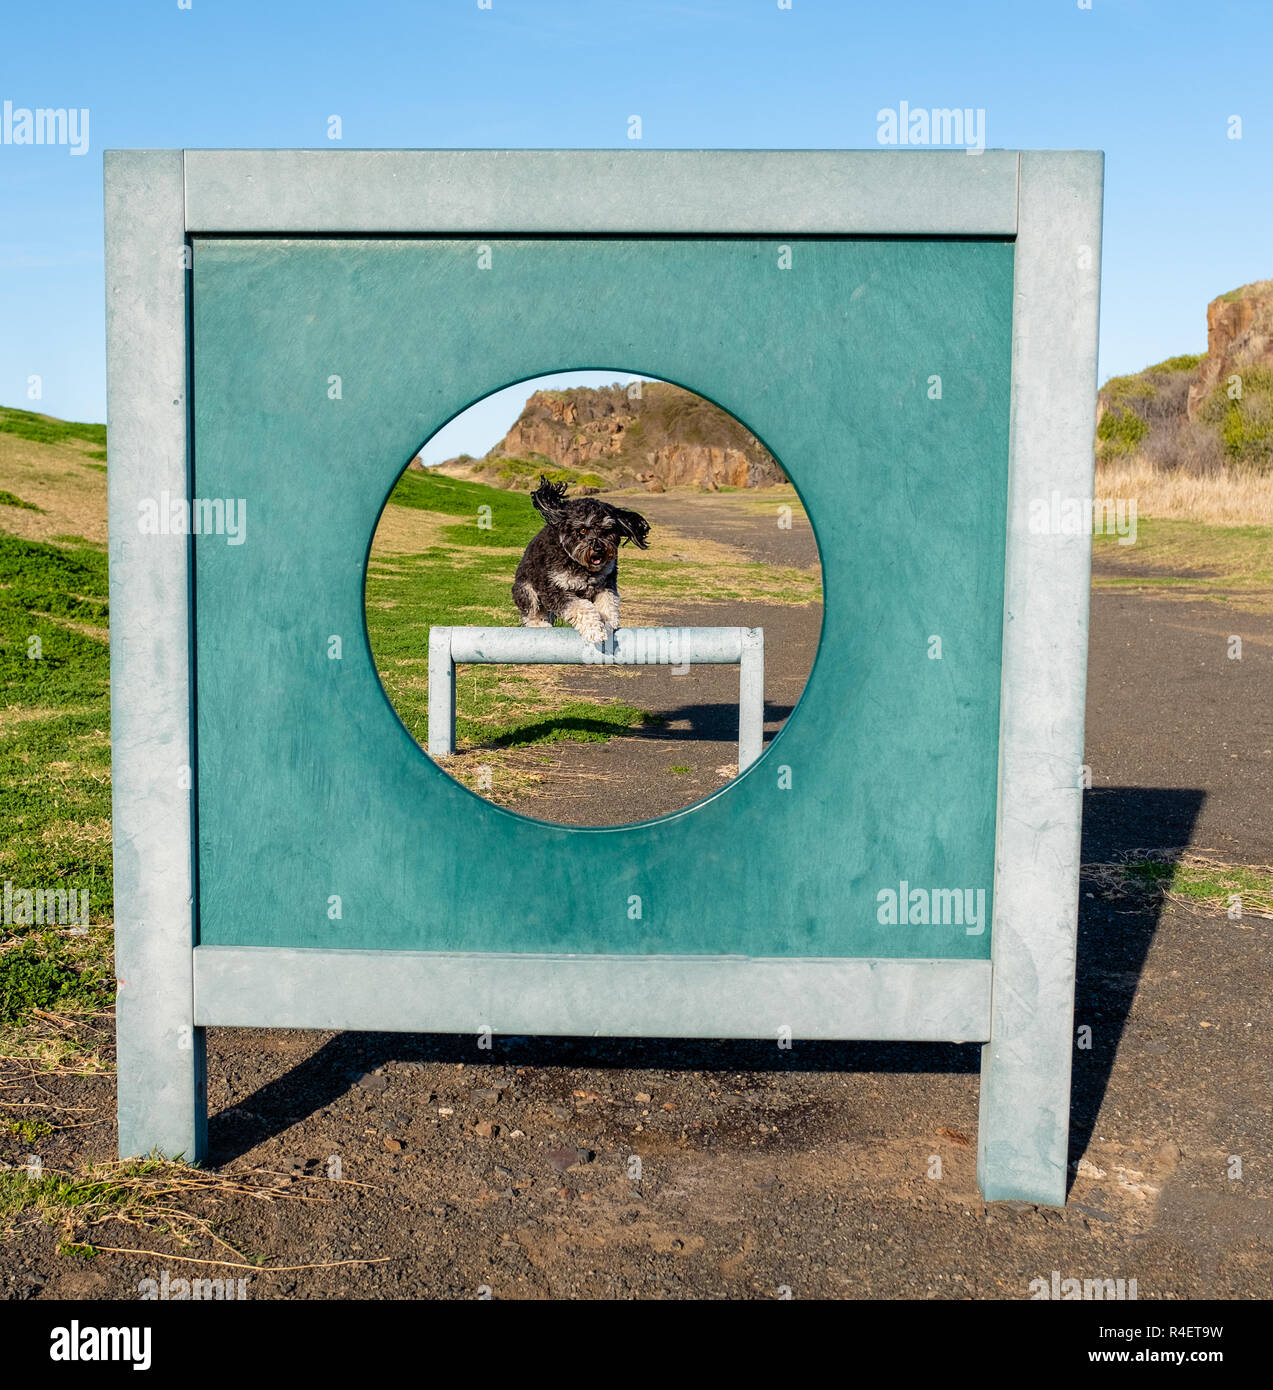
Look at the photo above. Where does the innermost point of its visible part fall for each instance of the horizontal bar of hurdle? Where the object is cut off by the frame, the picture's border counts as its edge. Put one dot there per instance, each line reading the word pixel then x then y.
pixel 743 647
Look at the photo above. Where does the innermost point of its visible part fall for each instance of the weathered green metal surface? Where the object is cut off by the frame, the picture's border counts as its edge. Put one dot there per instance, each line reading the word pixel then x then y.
pixel 308 785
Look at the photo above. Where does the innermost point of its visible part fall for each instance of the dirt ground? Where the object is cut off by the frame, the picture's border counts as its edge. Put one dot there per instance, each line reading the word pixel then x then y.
pixel 593 1168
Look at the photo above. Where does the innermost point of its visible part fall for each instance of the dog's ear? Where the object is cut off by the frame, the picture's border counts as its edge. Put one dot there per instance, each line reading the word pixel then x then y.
pixel 549 500
pixel 634 526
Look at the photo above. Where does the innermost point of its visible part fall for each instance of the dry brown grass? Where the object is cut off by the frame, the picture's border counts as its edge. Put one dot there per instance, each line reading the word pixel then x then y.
pixel 408 531
pixel 1217 500
pixel 62 480
pixel 150 1196
pixel 46 1044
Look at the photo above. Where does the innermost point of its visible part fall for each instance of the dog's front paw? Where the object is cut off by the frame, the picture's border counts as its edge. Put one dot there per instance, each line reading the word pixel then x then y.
pixel 590 626
pixel 607 604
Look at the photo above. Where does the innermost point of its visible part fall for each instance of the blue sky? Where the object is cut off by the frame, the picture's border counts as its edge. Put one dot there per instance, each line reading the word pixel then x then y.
pixel 1152 82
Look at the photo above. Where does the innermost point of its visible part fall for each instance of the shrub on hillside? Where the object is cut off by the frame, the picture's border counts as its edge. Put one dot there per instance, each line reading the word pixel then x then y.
pixel 1120 430
pixel 1144 416
pixel 1245 423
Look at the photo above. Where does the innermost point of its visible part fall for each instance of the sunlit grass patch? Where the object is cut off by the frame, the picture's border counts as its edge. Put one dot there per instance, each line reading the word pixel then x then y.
pixel 1228 564
pixel 1188 879
pixel 25 1131
pixel 576 721
pixel 58 1044
pixel 55 767
pixel 747 583
pixel 51 969
pixel 9 499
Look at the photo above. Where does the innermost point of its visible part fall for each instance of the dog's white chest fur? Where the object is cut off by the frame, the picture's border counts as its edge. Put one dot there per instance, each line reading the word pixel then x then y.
pixel 577 582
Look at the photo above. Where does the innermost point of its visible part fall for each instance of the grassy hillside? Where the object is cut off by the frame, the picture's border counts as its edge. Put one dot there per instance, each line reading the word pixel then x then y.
pixel 45 429
pixel 54 723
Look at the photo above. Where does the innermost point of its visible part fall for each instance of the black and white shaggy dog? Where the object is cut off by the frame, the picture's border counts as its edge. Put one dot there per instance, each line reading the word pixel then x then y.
pixel 571 568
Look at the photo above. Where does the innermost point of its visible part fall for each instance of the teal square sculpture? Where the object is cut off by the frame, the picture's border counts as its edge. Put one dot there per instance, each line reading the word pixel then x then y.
pixel 878 372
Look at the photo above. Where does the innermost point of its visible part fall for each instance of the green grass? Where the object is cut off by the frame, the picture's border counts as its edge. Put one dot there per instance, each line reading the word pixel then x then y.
pixel 27 1131
pixel 7 499
pixel 91 1198
pixel 43 429
pixel 156 1194
pixel 1210 885
pixel 55 770
pixel 50 972
pixel 1222 564
pixel 673 580
pixel 575 721
pixel 435 492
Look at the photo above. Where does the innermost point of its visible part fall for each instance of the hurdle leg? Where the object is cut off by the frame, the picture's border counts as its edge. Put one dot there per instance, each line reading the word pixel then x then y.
pixel 441 693
pixel 751 698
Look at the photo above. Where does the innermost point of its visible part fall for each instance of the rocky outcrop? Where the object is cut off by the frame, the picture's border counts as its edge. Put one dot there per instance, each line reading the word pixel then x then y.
pixel 1188 414
pixel 1239 335
pixel 550 425
pixel 702 466
pixel 614 436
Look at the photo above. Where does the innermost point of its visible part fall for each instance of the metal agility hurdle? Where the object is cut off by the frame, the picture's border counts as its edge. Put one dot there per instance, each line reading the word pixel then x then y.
pixel 743 647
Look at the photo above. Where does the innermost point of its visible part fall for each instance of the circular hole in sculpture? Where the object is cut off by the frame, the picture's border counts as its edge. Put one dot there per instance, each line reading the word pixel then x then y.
pixel 593 597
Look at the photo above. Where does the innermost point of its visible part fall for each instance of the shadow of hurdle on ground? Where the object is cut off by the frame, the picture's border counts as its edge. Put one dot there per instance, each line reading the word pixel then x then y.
pixel 1114 938
pixel 705 723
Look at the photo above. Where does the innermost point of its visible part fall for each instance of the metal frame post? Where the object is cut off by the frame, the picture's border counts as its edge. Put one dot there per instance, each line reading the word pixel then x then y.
pixel 162 1103
pixel 1023 1133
